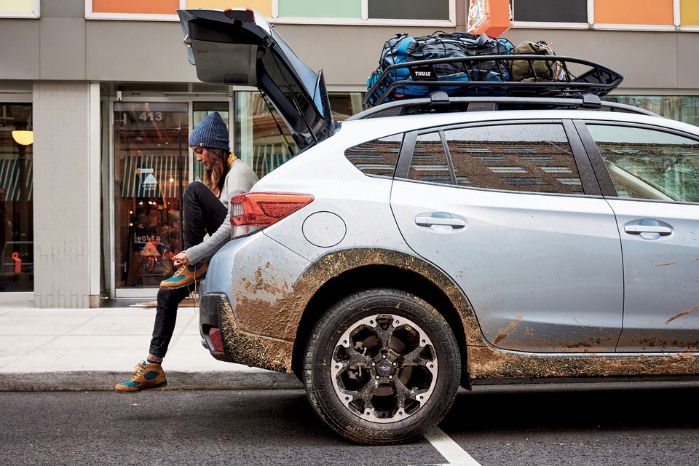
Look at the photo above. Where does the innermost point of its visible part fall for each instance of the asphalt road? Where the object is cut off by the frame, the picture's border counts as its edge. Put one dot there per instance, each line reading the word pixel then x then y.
pixel 535 425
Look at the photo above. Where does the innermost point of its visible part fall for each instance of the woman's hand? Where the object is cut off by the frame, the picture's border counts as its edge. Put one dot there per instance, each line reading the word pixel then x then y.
pixel 180 259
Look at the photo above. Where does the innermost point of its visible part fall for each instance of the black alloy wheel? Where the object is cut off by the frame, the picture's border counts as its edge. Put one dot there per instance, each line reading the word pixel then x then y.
pixel 381 367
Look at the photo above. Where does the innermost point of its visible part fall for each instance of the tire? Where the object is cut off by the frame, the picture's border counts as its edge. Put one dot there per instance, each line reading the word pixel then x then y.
pixel 375 390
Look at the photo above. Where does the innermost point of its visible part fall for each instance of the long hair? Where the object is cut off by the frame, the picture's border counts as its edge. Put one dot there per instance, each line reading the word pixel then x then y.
pixel 215 177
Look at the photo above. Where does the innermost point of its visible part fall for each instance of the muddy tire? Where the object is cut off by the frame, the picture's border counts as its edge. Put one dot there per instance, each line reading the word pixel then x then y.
pixel 381 367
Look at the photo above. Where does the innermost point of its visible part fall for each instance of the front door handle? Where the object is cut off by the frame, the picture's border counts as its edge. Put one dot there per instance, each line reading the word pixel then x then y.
pixel 648 228
pixel 639 229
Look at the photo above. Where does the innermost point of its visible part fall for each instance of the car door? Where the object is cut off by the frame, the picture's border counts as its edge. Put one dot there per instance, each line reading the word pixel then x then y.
pixel 502 209
pixel 655 174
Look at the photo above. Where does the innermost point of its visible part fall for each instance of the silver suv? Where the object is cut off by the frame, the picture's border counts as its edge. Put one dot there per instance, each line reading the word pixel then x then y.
pixel 446 241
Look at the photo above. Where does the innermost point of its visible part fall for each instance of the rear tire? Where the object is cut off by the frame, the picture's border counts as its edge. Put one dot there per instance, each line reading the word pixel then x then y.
pixel 381 367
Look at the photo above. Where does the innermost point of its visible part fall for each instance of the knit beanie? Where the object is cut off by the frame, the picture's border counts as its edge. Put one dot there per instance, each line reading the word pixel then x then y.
pixel 212 133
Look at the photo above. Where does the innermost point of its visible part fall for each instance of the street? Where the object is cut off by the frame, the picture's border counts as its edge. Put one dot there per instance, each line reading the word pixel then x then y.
pixel 592 424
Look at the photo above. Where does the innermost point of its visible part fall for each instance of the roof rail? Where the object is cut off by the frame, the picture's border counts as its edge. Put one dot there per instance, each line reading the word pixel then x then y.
pixel 490 75
pixel 439 102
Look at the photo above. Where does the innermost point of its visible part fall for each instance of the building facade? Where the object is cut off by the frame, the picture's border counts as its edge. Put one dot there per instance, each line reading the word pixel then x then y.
pixel 97 99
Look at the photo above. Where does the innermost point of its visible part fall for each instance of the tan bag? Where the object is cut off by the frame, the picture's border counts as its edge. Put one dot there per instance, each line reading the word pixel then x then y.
pixel 534 70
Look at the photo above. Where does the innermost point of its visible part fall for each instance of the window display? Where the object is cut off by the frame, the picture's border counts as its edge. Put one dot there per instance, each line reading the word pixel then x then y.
pixel 16 200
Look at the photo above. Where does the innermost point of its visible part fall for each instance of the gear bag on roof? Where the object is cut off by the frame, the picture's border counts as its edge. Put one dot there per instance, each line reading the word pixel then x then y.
pixel 527 70
pixel 405 48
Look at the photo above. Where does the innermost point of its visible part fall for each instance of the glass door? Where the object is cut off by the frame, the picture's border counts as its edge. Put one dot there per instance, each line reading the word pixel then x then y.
pixel 151 169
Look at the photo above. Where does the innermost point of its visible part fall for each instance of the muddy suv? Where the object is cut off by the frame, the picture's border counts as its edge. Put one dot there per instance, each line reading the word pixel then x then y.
pixel 452 240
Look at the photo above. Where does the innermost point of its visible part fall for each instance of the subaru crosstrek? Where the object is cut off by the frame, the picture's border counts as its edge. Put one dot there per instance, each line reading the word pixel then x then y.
pixel 542 233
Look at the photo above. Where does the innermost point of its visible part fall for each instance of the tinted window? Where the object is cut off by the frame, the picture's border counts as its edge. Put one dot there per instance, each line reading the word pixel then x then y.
pixel 516 157
pixel 376 157
pixel 649 164
pixel 408 9
pixel 553 11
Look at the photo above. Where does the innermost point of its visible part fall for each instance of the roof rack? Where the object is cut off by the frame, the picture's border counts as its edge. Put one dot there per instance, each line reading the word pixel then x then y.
pixel 575 77
pixel 440 101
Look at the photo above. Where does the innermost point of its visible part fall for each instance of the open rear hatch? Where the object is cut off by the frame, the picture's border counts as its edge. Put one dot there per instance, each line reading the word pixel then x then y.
pixel 238 47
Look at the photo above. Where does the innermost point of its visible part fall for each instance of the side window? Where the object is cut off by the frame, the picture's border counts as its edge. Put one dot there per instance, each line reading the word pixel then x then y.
pixel 377 157
pixel 513 157
pixel 649 164
pixel 429 161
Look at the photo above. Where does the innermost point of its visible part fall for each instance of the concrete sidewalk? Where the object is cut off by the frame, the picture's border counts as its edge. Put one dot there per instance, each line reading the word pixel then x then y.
pixel 93 349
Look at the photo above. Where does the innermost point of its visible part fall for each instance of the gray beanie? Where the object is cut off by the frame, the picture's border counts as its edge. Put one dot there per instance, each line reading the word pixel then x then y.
pixel 212 132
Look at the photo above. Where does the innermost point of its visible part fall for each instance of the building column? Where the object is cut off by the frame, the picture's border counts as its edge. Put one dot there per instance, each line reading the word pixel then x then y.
pixel 66 194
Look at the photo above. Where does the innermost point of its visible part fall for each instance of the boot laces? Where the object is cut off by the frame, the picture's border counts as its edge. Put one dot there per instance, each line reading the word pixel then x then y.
pixel 180 271
pixel 139 370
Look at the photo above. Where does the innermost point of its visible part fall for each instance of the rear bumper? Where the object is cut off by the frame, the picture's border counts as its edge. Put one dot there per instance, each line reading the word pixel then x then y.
pixel 227 341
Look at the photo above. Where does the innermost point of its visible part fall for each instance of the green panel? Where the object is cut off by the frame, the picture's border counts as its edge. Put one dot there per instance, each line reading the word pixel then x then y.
pixel 320 8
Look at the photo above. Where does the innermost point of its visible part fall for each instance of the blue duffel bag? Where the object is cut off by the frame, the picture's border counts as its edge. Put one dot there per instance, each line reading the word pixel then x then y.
pixel 404 48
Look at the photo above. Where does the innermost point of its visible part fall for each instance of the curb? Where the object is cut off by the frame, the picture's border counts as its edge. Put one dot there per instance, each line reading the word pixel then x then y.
pixel 105 381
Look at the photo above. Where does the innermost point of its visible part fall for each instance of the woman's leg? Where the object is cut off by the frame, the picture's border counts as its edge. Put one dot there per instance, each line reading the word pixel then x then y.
pixel 203 213
pixel 165 319
pixel 149 373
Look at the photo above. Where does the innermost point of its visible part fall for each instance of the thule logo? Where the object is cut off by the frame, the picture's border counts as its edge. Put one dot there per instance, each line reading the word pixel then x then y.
pixel 424 72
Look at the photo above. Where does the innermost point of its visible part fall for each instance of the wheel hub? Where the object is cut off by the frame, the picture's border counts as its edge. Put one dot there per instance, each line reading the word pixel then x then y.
pixel 384 368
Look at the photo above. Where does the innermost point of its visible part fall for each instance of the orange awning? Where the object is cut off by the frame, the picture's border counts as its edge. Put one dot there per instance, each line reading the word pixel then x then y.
pixel 489 16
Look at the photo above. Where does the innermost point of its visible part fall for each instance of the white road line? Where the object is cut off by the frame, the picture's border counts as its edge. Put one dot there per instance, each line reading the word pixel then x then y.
pixel 449 449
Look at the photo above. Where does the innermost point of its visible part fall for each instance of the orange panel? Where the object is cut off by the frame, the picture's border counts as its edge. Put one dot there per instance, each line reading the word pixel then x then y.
pixel 497 17
pixel 634 12
pixel 153 7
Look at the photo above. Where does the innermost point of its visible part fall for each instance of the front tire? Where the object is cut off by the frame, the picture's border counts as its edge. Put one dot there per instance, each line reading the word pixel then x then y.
pixel 381 367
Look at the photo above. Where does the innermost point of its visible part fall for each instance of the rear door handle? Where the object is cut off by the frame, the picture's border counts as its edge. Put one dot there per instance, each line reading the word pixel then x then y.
pixel 441 220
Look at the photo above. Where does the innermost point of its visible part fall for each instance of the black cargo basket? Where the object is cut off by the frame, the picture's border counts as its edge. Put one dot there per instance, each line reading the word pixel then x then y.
pixel 574 77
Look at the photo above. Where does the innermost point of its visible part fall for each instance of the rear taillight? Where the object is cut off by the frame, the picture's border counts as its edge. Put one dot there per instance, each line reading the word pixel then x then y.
pixel 262 209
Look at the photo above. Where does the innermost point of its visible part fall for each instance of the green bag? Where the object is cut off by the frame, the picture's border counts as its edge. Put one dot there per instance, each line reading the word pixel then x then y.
pixel 534 70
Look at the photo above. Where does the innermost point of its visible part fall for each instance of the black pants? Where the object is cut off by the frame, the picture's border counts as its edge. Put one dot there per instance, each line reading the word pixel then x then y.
pixel 203 213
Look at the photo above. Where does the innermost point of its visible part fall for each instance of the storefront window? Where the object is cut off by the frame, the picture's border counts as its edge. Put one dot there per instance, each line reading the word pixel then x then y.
pixel 676 107
pixel 151 168
pixel 257 140
pixel 261 138
pixel 16 200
